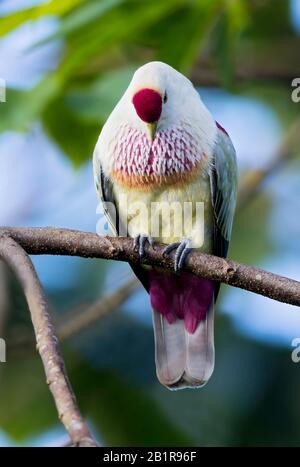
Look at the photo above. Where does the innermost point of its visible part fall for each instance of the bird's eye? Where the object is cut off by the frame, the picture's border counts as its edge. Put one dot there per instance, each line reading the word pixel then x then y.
pixel 165 97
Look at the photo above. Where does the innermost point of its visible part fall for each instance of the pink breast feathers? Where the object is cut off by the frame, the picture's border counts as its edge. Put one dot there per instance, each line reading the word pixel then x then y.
pixel 172 152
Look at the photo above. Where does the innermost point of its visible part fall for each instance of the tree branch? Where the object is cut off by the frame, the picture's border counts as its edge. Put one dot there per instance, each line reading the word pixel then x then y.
pixel 253 63
pixel 55 241
pixel 16 258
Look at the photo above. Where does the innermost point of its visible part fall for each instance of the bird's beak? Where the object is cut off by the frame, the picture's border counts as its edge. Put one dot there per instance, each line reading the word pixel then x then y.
pixel 151 130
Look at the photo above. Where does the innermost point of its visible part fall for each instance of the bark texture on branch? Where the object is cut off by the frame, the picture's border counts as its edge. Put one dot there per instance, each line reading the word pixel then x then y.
pixel 55 241
pixel 47 345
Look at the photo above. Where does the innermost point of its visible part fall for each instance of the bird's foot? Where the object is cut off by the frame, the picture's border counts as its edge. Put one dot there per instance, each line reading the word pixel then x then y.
pixel 182 250
pixel 140 241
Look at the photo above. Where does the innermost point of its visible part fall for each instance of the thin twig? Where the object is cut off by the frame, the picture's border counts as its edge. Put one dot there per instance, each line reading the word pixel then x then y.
pixel 54 241
pixel 254 179
pixel 20 263
pixel 76 322
pixel 255 65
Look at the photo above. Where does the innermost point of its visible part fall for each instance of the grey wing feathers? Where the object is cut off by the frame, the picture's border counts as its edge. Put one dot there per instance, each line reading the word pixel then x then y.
pixel 105 191
pixel 224 189
pixel 104 187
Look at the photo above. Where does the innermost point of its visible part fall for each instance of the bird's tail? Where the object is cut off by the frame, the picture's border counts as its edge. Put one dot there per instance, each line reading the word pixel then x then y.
pixel 184 359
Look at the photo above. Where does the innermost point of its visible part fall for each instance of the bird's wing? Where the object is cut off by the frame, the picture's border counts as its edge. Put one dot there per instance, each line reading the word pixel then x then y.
pixel 104 187
pixel 223 189
pixel 105 191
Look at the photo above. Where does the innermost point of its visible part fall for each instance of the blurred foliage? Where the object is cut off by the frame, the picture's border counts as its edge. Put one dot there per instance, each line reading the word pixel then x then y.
pixel 104 40
pixel 248 48
pixel 244 403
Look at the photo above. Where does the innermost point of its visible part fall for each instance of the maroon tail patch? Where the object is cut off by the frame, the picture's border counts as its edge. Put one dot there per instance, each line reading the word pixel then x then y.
pixel 184 297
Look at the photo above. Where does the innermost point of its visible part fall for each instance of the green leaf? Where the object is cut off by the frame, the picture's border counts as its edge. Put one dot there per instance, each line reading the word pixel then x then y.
pixel 193 26
pixel 22 108
pixel 113 29
pixel 85 14
pixel 94 103
pixel 230 25
pixel 74 137
pixel 53 7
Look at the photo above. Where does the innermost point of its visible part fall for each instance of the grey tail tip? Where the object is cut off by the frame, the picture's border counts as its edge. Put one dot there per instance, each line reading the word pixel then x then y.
pixel 183 360
pixel 184 383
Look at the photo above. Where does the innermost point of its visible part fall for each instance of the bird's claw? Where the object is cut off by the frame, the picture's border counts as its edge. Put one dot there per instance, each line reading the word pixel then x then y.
pixel 140 241
pixel 182 250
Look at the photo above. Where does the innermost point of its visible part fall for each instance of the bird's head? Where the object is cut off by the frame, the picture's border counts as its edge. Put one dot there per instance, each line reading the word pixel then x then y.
pixel 159 128
pixel 159 97
pixel 149 93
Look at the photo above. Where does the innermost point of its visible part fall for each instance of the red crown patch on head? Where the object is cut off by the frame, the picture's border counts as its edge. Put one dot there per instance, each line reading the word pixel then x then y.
pixel 148 105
